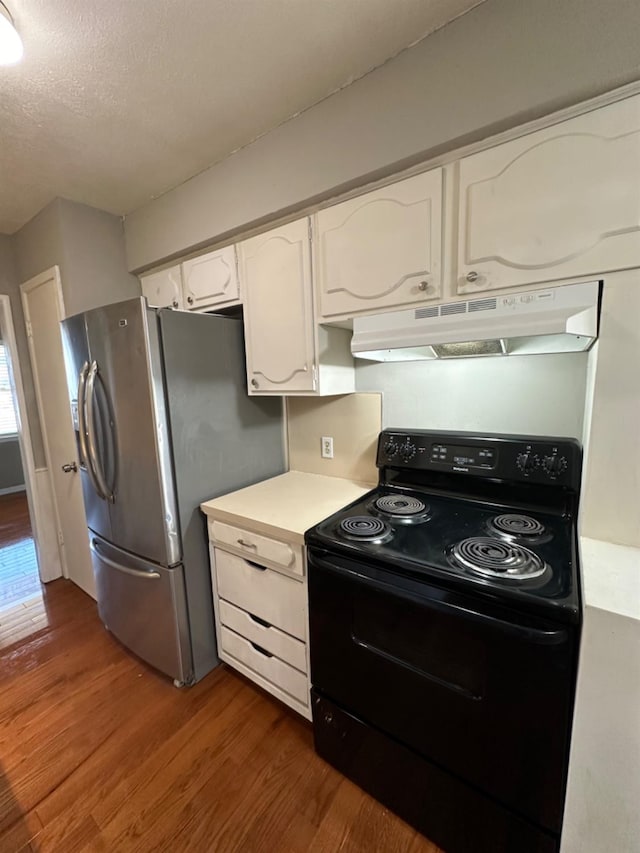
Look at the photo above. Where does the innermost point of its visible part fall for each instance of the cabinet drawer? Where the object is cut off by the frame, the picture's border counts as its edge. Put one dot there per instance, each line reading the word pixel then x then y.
pixel 257 547
pixel 268 666
pixel 273 640
pixel 269 595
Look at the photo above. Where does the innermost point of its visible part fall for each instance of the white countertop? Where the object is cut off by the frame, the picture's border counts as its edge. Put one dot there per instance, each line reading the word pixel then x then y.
pixel 611 577
pixel 285 506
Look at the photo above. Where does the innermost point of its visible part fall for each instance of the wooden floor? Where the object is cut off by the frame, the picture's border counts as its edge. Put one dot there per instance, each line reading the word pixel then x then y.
pixel 19 580
pixel 99 753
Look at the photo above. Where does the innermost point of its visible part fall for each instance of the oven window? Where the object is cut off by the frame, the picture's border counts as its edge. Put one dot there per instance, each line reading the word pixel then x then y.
pixel 436 646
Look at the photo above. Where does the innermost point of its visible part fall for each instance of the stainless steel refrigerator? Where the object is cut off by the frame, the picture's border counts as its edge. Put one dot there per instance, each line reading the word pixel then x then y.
pixel 163 422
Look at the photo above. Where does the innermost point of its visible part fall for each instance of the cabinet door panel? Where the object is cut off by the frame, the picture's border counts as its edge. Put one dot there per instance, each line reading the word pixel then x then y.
pixel 554 204
pixel 276 272
pixel 211 279
pixel 163 289
pixel 382 249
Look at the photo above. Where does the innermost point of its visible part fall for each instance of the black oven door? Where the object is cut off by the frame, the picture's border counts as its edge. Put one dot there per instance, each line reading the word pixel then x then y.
pixel 483 692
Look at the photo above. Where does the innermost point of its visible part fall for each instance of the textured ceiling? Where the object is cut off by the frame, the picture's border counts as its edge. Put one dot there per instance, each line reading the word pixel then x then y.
pixel 117 101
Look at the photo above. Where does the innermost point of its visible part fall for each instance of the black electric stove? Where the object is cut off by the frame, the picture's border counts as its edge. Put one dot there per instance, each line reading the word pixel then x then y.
pixel 445 619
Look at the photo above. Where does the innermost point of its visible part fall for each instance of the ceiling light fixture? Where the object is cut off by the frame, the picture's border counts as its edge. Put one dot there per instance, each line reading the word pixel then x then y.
pixel 10 41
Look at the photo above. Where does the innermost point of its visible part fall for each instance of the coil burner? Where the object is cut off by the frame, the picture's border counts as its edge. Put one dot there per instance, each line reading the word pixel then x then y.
pixel 512 525
pixel 494 558
pixel 403 508
pixel 364 528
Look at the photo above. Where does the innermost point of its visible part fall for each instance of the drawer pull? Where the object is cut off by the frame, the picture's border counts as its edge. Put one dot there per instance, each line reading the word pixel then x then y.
pixel 246 544
pixel 259 621
pixel 256 566
pixel 261 650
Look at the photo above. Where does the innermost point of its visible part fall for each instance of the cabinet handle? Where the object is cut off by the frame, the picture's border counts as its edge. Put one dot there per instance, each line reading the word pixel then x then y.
pixel 246 544
pixel 261 650
pixel 190 300
pixel 423 285
pixel 254 383
pixel 259 621
pixel 175 303
pixel 472 276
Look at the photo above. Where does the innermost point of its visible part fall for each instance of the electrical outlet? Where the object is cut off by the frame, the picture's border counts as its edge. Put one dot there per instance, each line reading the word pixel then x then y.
pixel 326 446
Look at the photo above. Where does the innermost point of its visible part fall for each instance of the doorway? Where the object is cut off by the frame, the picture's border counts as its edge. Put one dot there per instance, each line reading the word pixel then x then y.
pixel 43 306
pixel 22 610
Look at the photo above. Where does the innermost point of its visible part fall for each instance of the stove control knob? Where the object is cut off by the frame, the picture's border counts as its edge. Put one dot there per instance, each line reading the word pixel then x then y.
pixel 526 462
pixel 555 465
pixel 390 448
pixel 407 450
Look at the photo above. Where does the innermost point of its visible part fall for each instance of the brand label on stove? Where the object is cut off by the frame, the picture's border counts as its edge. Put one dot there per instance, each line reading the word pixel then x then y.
pixel 463 457
pixel 518 300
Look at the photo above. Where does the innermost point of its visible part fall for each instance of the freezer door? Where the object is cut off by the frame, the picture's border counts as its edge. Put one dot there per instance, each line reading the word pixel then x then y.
pixel 143 605
pixel 222 440
pixel 130 427
pixel 77 363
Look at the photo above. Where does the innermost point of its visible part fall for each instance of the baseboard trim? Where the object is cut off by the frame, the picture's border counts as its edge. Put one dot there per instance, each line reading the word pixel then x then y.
pixel 11 489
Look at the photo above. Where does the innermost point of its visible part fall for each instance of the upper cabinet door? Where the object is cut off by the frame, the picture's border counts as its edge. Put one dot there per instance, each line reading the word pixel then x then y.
pixel 559 203
pixel 381 250
pixel 210 280
pixel 163 289
pixel 278 317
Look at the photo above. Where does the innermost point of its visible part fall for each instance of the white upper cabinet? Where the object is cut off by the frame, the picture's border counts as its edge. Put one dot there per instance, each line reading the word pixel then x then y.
pixel 163 289
pixel 278 316
pixel 559 203
pixel 287 352
pixel 211 280
pixel 381 250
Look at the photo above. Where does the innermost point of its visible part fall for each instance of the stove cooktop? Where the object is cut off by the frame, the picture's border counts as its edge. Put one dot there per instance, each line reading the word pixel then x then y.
pixel 526 556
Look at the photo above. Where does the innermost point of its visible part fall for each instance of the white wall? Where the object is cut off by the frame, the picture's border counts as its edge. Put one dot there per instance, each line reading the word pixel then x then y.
pixel 530 395
pixel 10 286
pixel 505 62
pixel 611 487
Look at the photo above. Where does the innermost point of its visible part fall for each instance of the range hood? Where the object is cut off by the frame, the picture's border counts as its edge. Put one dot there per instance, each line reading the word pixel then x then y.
pixel 559 319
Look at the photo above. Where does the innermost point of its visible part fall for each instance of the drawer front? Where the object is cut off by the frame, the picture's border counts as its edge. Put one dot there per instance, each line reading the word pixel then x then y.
pixel 269 595
pixel 258 547
pixel 273 640
pixel 268 666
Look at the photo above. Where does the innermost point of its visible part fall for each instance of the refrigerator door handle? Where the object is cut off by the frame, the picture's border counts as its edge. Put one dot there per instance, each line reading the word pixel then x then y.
pixel 82 427
pixel 103 489
pixel 126 569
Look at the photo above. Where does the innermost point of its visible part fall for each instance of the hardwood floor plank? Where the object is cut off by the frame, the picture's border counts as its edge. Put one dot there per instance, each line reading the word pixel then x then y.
pixel 100 753
pixel 19 577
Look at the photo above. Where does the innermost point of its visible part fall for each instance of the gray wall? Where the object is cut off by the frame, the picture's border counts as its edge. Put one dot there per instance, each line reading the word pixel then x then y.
pixel 11 473
pixel 10 286
pixel 504 62
pixel 531 395
pixel 88 246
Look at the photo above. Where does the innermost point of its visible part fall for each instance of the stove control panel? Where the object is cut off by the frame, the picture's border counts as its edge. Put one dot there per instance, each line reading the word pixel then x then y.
pixel 540 460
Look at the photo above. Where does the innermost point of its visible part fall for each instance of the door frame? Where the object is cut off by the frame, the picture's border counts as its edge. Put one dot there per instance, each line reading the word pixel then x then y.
pixel 48 563
pixel 52 274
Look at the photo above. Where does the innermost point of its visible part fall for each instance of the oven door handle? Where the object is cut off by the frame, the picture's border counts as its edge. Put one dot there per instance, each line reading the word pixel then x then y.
pixel 540 636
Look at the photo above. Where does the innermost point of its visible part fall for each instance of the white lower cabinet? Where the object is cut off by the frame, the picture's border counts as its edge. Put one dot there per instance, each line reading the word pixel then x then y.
pixel 261 612
pixel 262 663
